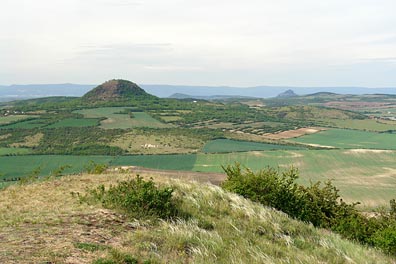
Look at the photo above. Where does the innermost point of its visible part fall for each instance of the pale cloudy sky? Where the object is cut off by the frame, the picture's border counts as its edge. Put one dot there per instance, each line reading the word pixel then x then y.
pixel 205 42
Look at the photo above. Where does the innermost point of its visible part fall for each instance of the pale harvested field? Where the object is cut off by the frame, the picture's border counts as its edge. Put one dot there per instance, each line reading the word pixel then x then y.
pixel 293 133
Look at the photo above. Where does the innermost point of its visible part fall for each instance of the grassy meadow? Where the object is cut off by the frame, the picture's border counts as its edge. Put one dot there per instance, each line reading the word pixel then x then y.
pixel 162 162
pixel 13 118
pixel 116 119
pixel 157 143
pixel 75 122
pixel 350 139
pixel 14 151
pixel 22 166
pixel 368 176
pixel 365 124
pixel 28 124
pixel 228 145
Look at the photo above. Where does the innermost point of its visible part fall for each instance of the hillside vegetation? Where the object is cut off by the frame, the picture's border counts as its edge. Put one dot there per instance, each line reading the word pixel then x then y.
pixel 47 222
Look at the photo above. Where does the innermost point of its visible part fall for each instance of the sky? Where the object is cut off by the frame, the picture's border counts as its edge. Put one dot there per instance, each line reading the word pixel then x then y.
pixel 205 42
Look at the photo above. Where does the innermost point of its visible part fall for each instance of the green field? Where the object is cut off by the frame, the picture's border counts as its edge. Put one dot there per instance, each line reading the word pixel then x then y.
pixel 116 120
pixel 25 124
pixel 228 145
pixel 364 124
pixel 350 139
pixel 75 122
pixel 368 176
pixel 14 151
pixel 13 118
pixel 21 166
pixel 163 162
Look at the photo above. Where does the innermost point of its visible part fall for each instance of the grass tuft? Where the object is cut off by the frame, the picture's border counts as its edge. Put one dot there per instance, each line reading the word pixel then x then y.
pixel 41 222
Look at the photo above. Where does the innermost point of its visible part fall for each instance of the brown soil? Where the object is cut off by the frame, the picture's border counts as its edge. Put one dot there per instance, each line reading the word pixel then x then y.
pixel 293 133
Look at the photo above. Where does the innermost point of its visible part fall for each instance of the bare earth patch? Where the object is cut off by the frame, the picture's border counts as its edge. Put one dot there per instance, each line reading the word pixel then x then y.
pixel 363 151
pixel 5 136
pixel 44 226
pixel 320 146
pixel 293 133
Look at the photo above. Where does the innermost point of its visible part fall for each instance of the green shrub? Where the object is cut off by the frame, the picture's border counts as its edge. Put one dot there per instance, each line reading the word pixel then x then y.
pixel 315 204
pixel 318 205
pixel 385 239
pixel 137 198
pixel 33 176
pixel 95 168
pixel 59 171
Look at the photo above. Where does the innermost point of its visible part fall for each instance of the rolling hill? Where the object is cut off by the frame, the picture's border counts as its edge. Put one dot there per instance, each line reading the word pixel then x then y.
pixel 47 224
pixel 14 92
pixel 116 90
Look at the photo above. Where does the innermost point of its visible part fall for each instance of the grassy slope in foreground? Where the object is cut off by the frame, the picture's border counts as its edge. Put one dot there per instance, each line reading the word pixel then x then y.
pixel 240 231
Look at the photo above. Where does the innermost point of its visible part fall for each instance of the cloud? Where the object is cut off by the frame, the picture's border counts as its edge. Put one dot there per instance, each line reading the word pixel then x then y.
pixel 247 42
pixel 122 3
pixel 380 60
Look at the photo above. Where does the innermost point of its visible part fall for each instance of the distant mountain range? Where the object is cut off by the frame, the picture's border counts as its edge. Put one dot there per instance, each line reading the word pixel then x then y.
pixel 209 97
pixel 14 92
pixel 288 93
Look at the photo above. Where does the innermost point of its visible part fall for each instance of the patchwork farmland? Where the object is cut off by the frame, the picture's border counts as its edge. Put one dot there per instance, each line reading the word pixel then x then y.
pixel 118 117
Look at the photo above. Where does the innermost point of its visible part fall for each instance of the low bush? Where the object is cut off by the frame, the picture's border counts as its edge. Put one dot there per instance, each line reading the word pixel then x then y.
pixel 316 204
pixel 95 168
pixel 137 198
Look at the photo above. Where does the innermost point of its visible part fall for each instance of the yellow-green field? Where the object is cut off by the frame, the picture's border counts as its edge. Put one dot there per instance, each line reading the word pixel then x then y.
pixel 368 176
pixel 157 143
pixel 350 139
pixel 364 124
pixel 13 118
pixel 14 151
pixel 75 122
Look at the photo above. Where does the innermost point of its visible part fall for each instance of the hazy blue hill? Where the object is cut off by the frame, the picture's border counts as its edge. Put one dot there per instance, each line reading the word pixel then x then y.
pixel 288 93
pixel 211 97
pixel 44 90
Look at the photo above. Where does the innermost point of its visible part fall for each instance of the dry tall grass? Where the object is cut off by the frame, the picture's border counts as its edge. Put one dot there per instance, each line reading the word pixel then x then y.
pixel 44 222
